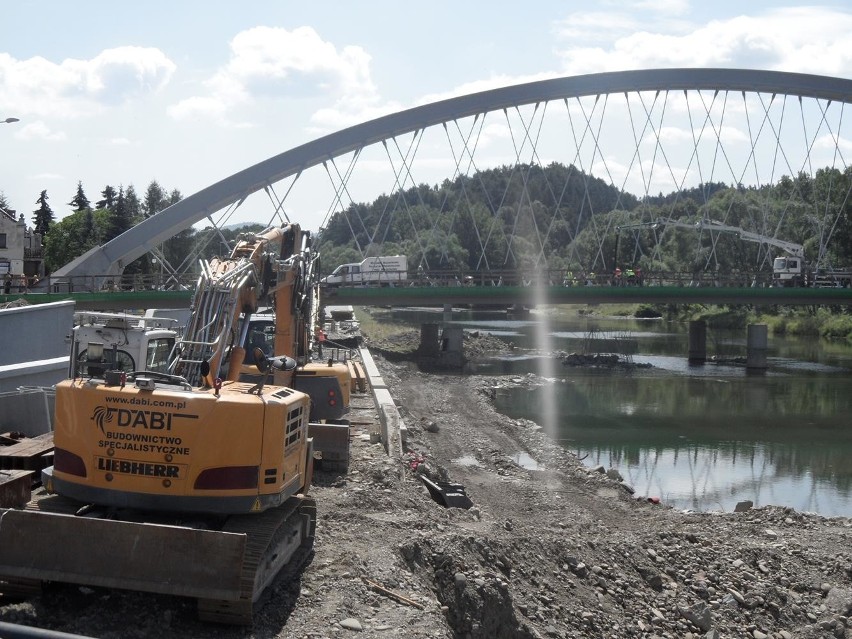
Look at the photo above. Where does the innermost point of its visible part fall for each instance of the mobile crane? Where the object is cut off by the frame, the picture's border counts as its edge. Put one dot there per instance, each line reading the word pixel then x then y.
pixel 789 270
pixel 188 481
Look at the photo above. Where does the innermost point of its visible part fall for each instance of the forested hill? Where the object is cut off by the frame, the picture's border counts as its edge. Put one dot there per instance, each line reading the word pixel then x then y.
pixel 455 219
pixel 527 215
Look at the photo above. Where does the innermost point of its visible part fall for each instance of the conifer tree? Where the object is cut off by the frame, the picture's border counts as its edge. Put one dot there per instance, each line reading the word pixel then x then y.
pixel 119 221
pixel 43 217
pixel 109 196
pixel 80 202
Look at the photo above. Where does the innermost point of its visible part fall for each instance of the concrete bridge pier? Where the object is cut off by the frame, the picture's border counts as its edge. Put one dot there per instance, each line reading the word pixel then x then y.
pixel 756 346
pixel 448 312
pixel 429 341
pixel 445 348
pixel 697 342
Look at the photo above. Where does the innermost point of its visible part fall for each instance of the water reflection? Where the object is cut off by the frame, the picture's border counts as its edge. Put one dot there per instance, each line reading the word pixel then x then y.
pixel 706 443
pixel 699 437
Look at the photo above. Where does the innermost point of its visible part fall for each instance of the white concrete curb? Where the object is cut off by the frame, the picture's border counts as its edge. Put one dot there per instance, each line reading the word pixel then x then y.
pixel 394 433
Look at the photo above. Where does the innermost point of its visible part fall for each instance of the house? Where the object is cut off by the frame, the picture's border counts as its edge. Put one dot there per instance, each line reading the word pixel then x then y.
pixel 21 255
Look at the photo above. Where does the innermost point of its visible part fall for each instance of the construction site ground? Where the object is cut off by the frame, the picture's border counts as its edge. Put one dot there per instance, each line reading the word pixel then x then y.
pixel 559 551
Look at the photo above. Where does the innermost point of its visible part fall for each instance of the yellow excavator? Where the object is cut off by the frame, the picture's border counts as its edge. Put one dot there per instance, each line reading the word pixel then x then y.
pixel 183 479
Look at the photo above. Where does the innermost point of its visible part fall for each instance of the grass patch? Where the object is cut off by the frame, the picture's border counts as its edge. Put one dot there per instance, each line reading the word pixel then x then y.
pixel 375 324
pixel 837 327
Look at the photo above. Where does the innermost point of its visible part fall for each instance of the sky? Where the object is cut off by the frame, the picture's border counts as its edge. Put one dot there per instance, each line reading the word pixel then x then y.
pixel 187 92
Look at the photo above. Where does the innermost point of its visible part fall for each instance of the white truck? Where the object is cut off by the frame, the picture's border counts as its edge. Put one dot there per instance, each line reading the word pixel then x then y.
pixel 793 269
pixel 383 271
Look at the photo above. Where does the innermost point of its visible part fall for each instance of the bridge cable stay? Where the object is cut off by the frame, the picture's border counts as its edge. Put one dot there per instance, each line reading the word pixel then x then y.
pixel 524 173
pixel 536 161
pixel 823 242
pixel 399 187
pixel 636 160
pixel 201 241
pixel 578 160
pixel 336 200
pixel 339 188
pixel 459 177
pixel 494 209
pixel 344 188
pixel 279 214
pixel 400 179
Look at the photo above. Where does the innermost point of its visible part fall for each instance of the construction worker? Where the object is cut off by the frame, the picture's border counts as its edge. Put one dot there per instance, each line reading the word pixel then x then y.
pixel 320 336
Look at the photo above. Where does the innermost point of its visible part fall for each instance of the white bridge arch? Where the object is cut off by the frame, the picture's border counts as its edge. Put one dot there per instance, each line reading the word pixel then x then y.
pixel 146 236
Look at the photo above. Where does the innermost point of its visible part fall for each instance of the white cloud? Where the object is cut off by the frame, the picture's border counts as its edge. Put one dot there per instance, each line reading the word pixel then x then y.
pixel 274 63
pixel 75 88
pixel 209 108
pixel 803 39
pixel 669 134
pixel 38 130
pixel 47 176
pixel 343 114
pixel 620 18
pixel 664 7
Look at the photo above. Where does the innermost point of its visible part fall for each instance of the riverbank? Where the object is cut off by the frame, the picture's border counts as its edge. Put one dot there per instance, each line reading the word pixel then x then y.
pixel 828 323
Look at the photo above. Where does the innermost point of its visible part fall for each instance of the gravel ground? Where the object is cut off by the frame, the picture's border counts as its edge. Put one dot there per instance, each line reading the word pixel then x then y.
pixel 560 551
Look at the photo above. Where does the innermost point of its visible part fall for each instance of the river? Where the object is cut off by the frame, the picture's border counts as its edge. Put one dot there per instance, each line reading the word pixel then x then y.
pixel 699 437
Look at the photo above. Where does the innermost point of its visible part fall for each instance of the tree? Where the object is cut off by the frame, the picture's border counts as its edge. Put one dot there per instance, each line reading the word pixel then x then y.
pixel 4 203
pixel 154 200
pixel 131 201
pixel 80 202
pixel 120 220
pixel 178 249
pixel 72 236
pixel 109 196
pixel 43 217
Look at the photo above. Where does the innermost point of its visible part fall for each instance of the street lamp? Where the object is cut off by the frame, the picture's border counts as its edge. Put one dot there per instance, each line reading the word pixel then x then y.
pixel 9 120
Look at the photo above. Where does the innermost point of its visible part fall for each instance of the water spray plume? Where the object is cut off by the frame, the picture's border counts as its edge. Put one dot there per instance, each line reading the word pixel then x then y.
pixel 546 361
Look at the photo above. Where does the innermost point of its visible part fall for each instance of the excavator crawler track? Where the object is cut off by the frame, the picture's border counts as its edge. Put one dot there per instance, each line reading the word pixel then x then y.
pixel 274 544
pixel 21 587
pixel 280 542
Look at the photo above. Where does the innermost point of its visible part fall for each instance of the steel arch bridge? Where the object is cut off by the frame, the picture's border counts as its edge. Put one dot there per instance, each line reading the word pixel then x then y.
pixel 645 130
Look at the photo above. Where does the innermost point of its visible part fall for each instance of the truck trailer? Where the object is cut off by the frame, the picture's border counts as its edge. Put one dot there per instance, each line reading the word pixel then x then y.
pixel 382 271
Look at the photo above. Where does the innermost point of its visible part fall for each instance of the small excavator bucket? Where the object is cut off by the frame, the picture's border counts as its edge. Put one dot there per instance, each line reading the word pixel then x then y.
pixel 117 554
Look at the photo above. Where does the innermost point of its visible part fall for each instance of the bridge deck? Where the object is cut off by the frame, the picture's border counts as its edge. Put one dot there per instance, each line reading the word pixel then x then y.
pixel 508 295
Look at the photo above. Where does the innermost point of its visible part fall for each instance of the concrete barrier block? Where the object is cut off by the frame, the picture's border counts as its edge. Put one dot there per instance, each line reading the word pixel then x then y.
pixel 331 440
pixel 369 364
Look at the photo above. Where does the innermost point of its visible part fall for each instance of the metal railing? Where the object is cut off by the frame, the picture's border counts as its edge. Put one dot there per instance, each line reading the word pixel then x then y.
pixel 432 278
pixel 561 277
pixel 111 283
pixel 422 287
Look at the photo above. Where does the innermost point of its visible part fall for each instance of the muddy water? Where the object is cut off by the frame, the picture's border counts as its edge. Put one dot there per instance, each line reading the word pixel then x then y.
pixel 698 437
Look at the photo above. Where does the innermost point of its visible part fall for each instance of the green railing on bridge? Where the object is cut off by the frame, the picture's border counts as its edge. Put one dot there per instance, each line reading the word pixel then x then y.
pixel 440 288
pixel 537 295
